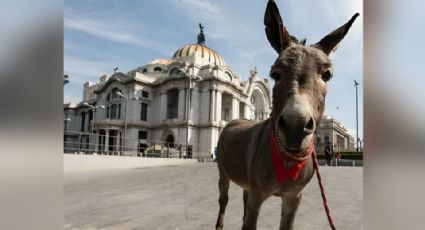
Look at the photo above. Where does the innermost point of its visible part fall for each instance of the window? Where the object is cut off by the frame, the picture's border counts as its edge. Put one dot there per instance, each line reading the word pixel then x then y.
pixel 145 94
pixel 83 121
pixel 326 139
pixel 107 112
pixel 174 71
pixel 172 103
pixel 318 140
pixel 108 97
pixel 157 69
pixel 144 112
pixel 226 114
pixel 115 111
pixel 228 77
pixel 90 116
pixel 114 93
pixel 143 135
pixel 119 111
pixel 170 141
pixel 144 70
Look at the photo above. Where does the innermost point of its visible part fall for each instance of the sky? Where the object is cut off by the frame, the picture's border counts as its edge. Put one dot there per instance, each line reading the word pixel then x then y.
pixel 101 35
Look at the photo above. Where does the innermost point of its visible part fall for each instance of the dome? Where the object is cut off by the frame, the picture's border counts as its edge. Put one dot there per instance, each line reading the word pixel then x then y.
pixel 201 50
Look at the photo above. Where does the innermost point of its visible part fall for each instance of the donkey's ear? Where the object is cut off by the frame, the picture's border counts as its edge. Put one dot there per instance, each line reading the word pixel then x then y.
pixel 329 43
pixel 276 33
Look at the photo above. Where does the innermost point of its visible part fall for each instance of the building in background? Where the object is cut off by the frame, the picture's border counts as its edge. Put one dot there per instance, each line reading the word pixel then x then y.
pixel 185 99
pixel 332 131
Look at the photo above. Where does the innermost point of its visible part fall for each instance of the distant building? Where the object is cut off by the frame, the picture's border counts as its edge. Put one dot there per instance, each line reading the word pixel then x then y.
pixel 187 98
pixel 332 131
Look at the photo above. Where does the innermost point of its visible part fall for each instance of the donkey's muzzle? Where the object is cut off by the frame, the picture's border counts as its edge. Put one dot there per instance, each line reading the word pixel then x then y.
pixel 295 126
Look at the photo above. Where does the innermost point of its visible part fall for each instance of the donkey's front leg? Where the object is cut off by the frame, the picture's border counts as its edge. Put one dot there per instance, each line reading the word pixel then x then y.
pixel 289 209
pixel 253 205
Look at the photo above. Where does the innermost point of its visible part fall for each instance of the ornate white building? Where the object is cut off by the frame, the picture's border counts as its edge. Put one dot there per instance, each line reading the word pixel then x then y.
pixel 187 98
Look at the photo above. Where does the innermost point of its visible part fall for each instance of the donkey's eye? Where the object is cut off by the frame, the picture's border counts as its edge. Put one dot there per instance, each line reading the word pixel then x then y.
pixel 275 76
pixel 327 74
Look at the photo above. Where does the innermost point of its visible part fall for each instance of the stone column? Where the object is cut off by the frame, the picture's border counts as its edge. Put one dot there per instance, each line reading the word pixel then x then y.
pixel 209 105
pixel 235 108
pixel 163 107
pixel 106 141
pixel 218 106
pixel 212 105
pixel 247 112
pixel 181 106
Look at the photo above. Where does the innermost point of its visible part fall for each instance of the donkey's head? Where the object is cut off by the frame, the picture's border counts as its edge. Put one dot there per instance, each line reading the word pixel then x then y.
pixel 300 73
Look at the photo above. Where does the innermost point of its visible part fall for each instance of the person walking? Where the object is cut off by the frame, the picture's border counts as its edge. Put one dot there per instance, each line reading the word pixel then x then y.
pixel 328 153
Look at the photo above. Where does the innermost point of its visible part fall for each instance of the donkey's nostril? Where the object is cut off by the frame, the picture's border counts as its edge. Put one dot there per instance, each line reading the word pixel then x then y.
pixel 310 125
pixel 281 123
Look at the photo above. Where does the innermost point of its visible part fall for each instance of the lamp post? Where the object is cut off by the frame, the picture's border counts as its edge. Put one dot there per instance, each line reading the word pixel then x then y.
pixel 125 119
pixel 356 84
pixel 65 79
pixel 66 120
pixel 93 108
pixel 188 102
pixel 126 112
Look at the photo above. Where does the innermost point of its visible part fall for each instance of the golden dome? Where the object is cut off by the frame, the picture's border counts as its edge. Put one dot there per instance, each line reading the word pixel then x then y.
pixel 206 53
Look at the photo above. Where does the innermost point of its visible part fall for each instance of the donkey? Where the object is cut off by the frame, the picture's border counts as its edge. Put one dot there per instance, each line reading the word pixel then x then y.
pixel 250 153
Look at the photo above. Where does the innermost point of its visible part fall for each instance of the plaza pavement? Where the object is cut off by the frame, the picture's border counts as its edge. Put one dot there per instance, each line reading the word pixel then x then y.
pixel 185 197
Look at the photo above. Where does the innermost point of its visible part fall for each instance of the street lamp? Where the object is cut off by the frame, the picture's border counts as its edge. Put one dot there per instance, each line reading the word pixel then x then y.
pixel 65 79
pixel 356 84
pixel 66 120
pixel 126 110
pixel 188 102
pixel 125 121
pixel 94 108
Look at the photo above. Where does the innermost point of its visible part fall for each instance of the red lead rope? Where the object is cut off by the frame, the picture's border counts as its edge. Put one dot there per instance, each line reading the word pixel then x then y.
pixel 322 190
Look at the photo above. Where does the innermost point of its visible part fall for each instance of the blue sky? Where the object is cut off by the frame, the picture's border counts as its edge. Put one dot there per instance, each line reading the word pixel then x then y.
pixel 100 35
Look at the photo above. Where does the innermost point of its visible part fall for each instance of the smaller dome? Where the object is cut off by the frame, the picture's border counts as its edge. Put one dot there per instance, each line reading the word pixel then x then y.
pixel 206 53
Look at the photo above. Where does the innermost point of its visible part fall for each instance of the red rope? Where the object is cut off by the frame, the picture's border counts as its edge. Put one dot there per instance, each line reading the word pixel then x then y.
pixel 322 190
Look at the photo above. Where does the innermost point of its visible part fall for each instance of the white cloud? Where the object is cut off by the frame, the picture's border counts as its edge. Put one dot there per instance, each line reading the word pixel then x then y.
pixel 202 6
pixel 83 70
pixel 112 30
pixel 99 30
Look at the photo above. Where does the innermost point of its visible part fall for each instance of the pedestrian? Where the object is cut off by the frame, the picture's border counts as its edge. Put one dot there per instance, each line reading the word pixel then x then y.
pixel 215 154
pixel 337 157
pixel 328 153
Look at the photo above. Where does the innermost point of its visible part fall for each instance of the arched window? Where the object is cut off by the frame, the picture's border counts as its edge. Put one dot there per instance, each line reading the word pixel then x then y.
pixel 172 103
pixel 114 94
pixel 170 141
pixel 258 105
pixel 108 112
pixel 114 114
pixel 174 71
pixel 83 121
pixel 228 76
pixel 157 69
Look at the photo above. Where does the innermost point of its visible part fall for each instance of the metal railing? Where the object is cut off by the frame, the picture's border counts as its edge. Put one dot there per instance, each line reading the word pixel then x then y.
pixel 87 143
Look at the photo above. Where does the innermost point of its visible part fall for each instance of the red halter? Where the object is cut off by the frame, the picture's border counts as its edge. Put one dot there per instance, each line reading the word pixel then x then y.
pixel 286 165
